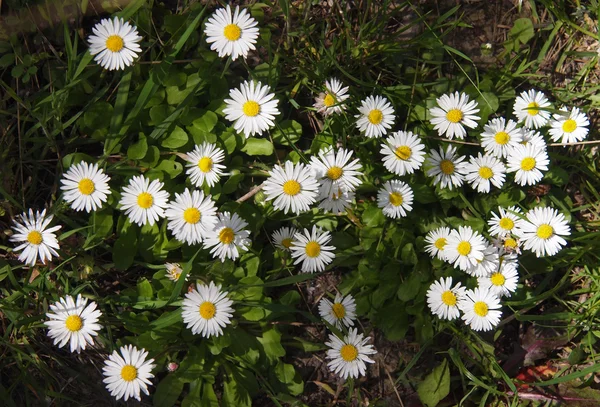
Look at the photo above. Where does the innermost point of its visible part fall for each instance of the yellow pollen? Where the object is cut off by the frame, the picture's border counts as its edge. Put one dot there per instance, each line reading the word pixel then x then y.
pixel 74 323
pixel 232 32
pixel 205 164
pixel 532 109
pixel 192 215
pixel 145 200
pixel 396 199
pixel 454 115
pixel 86 186
pixel 497 279
pixel 334 173
pixel 510 243
pixel 486 172
pixel 463 248
pixel 506 223
pixel 312 249
pixel 226 235
pixel 114 43
pixel 287 242
pixel 403 153
pixel 528 163
pixel 34 237
pixel 569 126
pixel 251 108
pixel 375 116
pixel 328 100
pixel 349 353
pixel 480 308
pixel 440 243
pixel 291 187
pixel 128 373
pixel 338 310
pixel 447 167
pixel 449 298
pixel 545 231
pixel 207 310
pixel 502 138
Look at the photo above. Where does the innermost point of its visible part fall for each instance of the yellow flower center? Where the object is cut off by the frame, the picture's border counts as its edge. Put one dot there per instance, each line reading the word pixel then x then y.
pixel 334 173
pixel 291 187
pixel 232 32
pixel 396 199
pixel 207 310
pixel 251 108
pixel 403 153
pixel 205 164
pixel 449 298
pixel 114 43
pixel 375 116
pixel 328 100
pixel 226 235
pixel 440 243
pixel 497 279
pixel 34 237
pixel 527 163
pixel 128 373
pixel 480 308
pixel 287 242
pixel 502 138
pixel 447 167
pixel 349 353
pixel 454 115
pixel 569 126
pixel 74 323
pixel 510 243
pixel 486 172
pixel 463 248
pixel 545 231
pixel 338 310
pixel 532 109
pixel 192 215
pixel 312 249
pixel 506 223
pixel 86 186
pixel 145 200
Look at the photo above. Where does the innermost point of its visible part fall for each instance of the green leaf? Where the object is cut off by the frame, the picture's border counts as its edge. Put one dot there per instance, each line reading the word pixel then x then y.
pixel 287 133
pixel 138 150
pixel 124 249
pixel 257 146
pixel 271 342
pixel 176 139
pixel 206 122
pixel 97 116
pixel 522 30
pixel 144 288
pixel 436 385
pixel 167 392
pixel 7 60
pixel 287 375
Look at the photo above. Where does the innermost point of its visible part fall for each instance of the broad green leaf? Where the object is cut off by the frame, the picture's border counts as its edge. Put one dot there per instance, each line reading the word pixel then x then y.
pixel 522 30
pixel 436 385
pixel 271 342
pixel 176 139
pixel 257 146
pixel 138 150
pixel 206 122
pixel 144 288
pixel 167 392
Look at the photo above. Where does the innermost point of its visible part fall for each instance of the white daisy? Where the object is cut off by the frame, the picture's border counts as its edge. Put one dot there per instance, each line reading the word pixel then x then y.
pixel 446 167
pixel 395 199
pixel 115 43
pixel 338 203
pixel 376 116
pixel 205 164
pixel 436 242
pixel 508 244
pixel 293 187
pixel 453 114
pixel 282 238
pixel 252 108
pixel 465 248
pixel 85 187
pixel 403 152
pixel 229 34
pixel 342 312
pixel 207 310
pixel 35 239
pixel 481 171
pixel 490 263
pixel 529 108
pixel 499 136
pixel 442 298
pixel 72 321
pixel 310 249
pixel 533 138
pixel 174 271
pixel 332 100
pixel 528 162
pixel 128 372
pixel 228 237
pixel 541 232
pixel 349 355
pixel 334 170
pixel 480 309
pixel 144 201
pixel 192 216
pixel 508 221
pixel 569 127
pixel 501 283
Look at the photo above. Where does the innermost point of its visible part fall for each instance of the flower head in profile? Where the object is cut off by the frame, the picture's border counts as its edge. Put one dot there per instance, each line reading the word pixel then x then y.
pixel 489 263
pixel 342 311
pixel 332 100
pixel 114 43
pixel 174 271
pixel 282 238
pixel 543 230
pixel 338 203
pixel 127 372
pixel 310 248
pixel 85 187
pixel 569 127
pixel 403 152
pixel 455 112
pixel 35 239
pixel 206 310
pixel 204 164
pixel 144 202
pixel 291 187
pixel 228 237
pixel 480 309
pixel 446 167
pixel 442 298
pixel 252 108
pixel 231 34
pixel 531 108
pixel 376 116
pixel 349 355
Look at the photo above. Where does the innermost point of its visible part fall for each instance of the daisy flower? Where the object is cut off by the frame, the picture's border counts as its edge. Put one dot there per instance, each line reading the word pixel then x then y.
pixel 332 100
pixel 453 114
pixel 442 298
pixel 436 242
pixel 128 372
pixel 395 199
pixel 204 164
pixel 35 239
pixel 403 152
pixel 481 171
pixel 334 170
pixel 338 203
pixel 529 108
pixel 174 271
pixel 207 310
pixel 480 309
pixel 541 232
pixel 309 248
pixel 349 355
pixel 533 138
pixel 376 116
pixel 192 216
pixel 252 108
pixel 232 35
pixel 341 312
pixel 464 248
pixel 144 201
pixel 569 127
pixel 501 283
pixel 528 162
pixel 499 136
pixel 490 262
pixel 114 43
pixel 508 244
pixel 508 221
pixel 72 321
pixel 292 187
pixel 228 237
pixel 85 187
pixel 282 238
pixel 446 168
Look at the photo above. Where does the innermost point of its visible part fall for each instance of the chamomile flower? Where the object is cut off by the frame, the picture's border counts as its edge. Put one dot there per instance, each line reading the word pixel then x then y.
pixel 490 263
pixel 541 232
pixel 334 170
pixel 569 127
pixel 455 111
pixel 446 167
pixel 403 152
pixel 480 309
pixel 192 216
pixel 204 164
pixel 529 108
pixel 499 136
pixel 338 203
pixel 436 242
pixel 332 100
pixel 206 310
pixel 85 187
pixel 395 199
pixel 528 162
pixel 282 238
pixel 481 171
pixel 228 237
pixel 443 299
pixel 349 355
pixel 341 312
pixel 376 116
pixel 35 240
pixel 114 43
pixel 465 248
pixel 252 108
pixel 533 138
pixel 292 187
pixel 231 34
pixel 508 221
pixel 174 271
pixel 310 249
pixel 502 282
pixel 73 321
pixel 144 202
pixel 127 372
